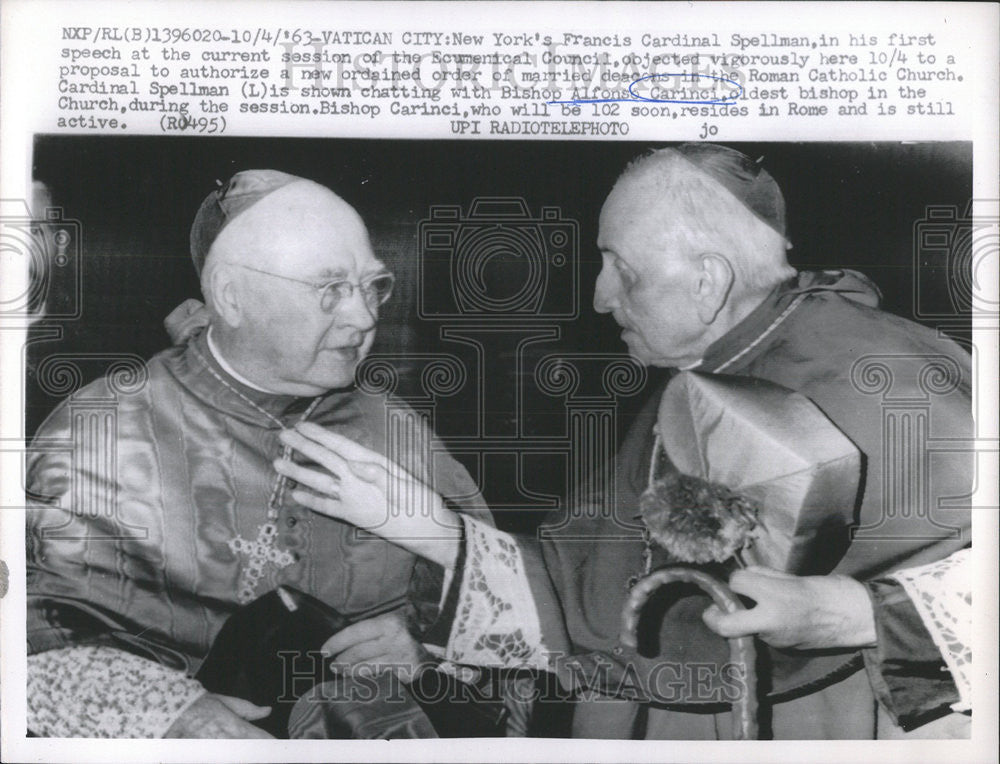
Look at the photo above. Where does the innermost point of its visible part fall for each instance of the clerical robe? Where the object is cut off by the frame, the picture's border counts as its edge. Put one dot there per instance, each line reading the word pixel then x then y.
pixel 155 511
pixel 900 392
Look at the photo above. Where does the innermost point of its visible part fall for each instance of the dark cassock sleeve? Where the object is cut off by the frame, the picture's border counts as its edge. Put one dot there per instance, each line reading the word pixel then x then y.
pixel 461 494
pixel 916 673
pixel 906 669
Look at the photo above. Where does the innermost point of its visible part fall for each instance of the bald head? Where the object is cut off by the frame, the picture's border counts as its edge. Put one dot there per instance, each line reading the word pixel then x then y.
pixel 287 227
pixel 677 206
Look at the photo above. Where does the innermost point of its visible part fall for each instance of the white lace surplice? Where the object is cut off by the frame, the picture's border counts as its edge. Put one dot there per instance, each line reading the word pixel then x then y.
pixel 100 691
pixel 496 620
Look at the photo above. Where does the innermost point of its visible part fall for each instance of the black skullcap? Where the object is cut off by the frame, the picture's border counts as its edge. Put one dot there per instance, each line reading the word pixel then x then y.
pixel 742 177
pixel 224 204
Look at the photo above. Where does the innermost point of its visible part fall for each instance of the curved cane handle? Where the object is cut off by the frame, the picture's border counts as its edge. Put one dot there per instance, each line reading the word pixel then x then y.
pixel 741 649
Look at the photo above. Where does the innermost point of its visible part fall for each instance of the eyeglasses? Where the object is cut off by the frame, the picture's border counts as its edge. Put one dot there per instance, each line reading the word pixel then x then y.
pixel 375 290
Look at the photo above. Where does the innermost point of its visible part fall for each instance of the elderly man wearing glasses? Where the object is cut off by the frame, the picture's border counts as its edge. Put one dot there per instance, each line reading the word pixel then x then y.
pixel 192 521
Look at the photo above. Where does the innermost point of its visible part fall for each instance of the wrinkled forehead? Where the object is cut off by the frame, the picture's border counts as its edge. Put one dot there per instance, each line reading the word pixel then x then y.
pixel 302 230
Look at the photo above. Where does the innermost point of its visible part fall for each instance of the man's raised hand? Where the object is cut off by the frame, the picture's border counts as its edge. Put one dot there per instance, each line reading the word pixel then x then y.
pixel 354 486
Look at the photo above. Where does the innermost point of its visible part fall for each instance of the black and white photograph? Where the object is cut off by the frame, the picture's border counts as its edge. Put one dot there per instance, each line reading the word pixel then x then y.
pixel 659 446
pixel 504 344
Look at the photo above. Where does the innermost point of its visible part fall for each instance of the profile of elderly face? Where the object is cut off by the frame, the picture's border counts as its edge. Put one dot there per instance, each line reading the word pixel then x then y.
pixel 294 288
pixel 683 260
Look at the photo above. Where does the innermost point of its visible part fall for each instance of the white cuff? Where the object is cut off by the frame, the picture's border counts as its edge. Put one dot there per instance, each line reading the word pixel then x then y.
pixel 496 620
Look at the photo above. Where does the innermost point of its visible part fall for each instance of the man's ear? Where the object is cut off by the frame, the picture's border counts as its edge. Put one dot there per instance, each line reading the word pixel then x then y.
pixel 224 294
pixel 715 282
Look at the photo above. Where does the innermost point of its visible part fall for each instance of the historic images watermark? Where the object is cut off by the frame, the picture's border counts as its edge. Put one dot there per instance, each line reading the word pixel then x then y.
pixel 602 680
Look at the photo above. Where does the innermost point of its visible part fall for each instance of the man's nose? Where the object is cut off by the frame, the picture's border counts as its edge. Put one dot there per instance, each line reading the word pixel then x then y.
pixel 355 311
pixel 605 292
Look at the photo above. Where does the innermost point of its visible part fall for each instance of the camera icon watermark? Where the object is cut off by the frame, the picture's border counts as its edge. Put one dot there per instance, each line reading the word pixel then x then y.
pixel 953 252
pixel 62 468
pixel 46 249
pixel 498 261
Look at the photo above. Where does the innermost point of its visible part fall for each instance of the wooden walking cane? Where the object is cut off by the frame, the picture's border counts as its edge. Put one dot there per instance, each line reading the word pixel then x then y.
pixel 741 470
pixel 742 652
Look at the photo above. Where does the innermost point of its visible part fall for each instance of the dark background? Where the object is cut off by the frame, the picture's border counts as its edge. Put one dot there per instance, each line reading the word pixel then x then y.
pixel 854 205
